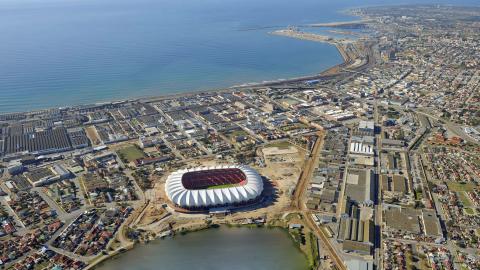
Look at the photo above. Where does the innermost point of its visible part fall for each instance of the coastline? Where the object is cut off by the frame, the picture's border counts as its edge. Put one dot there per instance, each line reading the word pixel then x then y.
pixel 322 74
pixel 325 74
pixel 329 73
pixel 209 172
pixel 154 98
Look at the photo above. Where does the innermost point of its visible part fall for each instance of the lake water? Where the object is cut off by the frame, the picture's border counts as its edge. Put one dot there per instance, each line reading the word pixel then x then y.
pixel 64 52
pixel 215 249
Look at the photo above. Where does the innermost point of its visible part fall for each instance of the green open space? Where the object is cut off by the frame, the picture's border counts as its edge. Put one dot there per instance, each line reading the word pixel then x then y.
pixel 293 126
pixel 418 195
pixel 312 250
pixel 409 260
pixel 131 153
pixel 280 145
pixel 291 216
pixel 222 186
pixel 458 186
pixel 238 132
pixel 462 196
pixel 469 211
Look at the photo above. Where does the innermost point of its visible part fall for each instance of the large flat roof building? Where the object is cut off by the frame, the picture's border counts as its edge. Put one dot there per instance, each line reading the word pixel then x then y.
pixel 41 142
pixel 359 185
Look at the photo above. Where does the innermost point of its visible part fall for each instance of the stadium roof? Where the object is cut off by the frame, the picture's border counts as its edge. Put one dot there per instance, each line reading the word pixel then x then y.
pixel 217 193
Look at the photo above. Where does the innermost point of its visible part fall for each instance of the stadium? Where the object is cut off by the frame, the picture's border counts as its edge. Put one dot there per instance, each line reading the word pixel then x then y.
pixel 203 188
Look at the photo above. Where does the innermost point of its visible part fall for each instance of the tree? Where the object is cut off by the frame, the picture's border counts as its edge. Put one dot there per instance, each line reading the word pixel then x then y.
pixel 59 193
pixel 74 189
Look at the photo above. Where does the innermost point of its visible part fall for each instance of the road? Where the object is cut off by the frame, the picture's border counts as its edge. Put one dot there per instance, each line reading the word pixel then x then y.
pixel 378 253
pixel 307 172
pixel 344 180
pixel 325 240
pixel 453 127
pixel 299 196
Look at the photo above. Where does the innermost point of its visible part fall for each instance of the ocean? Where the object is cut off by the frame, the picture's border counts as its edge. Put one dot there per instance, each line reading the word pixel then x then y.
pixel 66 52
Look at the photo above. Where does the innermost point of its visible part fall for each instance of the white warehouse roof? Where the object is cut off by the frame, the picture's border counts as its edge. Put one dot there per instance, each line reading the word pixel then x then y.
pixel 360 148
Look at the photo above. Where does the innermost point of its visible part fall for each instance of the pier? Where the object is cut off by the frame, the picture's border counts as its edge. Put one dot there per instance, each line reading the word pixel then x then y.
pixel 341 24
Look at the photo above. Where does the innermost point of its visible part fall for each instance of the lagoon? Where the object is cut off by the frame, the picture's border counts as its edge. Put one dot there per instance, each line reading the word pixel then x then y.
pixel 215 249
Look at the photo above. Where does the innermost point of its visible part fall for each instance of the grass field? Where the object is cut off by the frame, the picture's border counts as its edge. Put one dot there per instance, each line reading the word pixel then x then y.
pixel 291 216
pixel 131 153
pixel 469 211
pixel 222 186
pixel 409 260
pixel 280 145
pixel 456 186
pixel 294 126
pixel 418 195
pixel 312 250
pixel 238 132
pixel 462 196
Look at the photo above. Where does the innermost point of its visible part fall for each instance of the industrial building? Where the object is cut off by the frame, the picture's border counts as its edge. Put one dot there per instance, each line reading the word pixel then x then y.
pixel 367 126
pixel 360 186
pixel 360 148
pixel 43 142
pixel 46 175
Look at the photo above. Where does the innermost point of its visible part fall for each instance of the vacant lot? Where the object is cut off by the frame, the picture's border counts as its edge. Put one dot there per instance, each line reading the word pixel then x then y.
pixel 92 135
pixel 130 153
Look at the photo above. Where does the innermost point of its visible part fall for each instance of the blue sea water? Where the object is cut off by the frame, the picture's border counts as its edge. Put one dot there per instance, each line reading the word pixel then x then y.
pixel 65 52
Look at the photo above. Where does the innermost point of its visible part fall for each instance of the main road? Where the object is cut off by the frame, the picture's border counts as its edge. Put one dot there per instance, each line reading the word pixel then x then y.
pixel 299 197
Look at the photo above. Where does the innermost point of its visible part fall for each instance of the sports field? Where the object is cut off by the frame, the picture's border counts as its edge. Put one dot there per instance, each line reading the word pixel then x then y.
pixel 222 186
pixel 130 153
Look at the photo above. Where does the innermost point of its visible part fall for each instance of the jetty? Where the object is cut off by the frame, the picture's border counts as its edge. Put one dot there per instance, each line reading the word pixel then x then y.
pixel 309 36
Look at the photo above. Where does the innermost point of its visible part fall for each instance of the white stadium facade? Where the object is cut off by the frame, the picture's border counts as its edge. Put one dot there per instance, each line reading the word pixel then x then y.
pixel 208 187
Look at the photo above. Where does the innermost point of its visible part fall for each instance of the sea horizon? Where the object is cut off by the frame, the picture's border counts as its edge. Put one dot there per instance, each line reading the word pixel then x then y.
pixel 56 53
pixel 146 56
